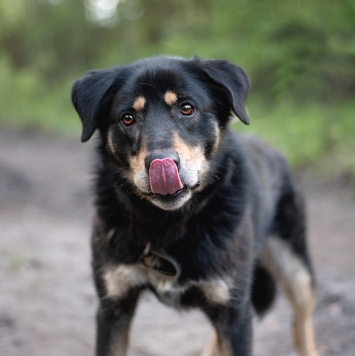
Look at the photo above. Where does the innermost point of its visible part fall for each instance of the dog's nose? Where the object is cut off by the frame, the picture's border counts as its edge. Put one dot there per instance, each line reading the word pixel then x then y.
pixel 172 154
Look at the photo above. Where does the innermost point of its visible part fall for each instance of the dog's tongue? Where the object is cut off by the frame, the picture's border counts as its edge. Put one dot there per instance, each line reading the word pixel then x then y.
pixel 164 177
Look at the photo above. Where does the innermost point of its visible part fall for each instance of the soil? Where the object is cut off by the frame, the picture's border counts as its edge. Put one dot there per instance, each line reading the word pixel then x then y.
pixel 47 300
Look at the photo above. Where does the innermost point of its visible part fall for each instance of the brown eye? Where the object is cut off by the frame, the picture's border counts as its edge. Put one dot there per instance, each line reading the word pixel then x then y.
pixel 127 119
pixel 187 109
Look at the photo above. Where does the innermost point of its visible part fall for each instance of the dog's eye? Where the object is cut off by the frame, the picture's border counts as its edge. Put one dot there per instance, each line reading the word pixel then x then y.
pixel 187 109
pixel 127 119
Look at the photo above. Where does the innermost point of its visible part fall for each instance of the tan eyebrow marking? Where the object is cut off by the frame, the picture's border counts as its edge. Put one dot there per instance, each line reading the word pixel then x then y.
pixel 170 97
pixel 139 103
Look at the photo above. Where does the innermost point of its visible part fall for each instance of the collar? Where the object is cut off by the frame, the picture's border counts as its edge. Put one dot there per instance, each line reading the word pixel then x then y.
pixel 161 263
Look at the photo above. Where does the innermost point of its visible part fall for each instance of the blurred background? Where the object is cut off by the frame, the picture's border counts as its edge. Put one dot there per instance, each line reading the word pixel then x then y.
pixel 300 56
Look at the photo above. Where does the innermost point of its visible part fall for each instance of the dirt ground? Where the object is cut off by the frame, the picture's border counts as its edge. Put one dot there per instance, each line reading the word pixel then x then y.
pixel 47 301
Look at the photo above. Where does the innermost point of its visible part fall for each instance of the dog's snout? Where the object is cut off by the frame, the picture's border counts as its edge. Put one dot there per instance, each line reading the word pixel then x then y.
pixel 172 154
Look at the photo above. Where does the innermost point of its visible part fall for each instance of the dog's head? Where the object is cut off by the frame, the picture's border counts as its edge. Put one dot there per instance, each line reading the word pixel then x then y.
pixel 162 121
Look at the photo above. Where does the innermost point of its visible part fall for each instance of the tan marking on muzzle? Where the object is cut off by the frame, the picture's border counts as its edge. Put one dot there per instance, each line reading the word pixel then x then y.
pixel 139 103
pixel 111 145
pixel 184 151
pixel 137 162
pixel 137 174
pixel 170 97
pixel 191 155
pixel 194 166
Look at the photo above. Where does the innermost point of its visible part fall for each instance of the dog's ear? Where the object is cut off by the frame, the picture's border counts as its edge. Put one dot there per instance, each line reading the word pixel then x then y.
pixel 87 96
pixel 233 81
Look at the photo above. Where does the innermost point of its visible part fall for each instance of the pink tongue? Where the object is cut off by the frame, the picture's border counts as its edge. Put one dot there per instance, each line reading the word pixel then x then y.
pixel 164 177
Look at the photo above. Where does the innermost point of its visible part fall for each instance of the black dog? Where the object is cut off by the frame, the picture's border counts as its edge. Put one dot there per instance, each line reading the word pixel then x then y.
pixel 186 209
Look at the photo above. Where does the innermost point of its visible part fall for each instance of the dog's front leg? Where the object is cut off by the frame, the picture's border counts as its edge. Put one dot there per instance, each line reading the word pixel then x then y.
pixel 113 322
pixel 233 328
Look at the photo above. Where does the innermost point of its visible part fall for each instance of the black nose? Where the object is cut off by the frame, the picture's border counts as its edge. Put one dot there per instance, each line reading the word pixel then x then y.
pixel 172 154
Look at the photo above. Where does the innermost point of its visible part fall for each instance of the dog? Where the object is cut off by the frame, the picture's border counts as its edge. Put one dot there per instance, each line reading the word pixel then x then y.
pixel 185 208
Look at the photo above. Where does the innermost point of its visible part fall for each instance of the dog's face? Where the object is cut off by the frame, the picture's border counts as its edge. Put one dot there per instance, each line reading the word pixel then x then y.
pixel 162 121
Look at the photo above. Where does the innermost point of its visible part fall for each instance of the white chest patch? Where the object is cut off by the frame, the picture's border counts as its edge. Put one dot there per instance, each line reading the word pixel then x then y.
pixel 120 279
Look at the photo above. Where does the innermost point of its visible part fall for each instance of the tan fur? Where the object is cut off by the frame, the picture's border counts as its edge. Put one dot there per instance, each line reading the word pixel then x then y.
pixel 223 347
pixel 218 138
pixel 119 279
pixel 182 148
pixel 286 267
pixel 211 346
pixel 216 347
pixel 138 174
pixel 170 98
pixel 120 345
pixel 216 291
pixel 193 170
pixel 137 162
pixel 192 159
pixel 111 144
pixel 139 103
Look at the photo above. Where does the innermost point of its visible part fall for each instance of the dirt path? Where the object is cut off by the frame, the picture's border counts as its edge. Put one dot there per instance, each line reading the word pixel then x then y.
pixel 47 301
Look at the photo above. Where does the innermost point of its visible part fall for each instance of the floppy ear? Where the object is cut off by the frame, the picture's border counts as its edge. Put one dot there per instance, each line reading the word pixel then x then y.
pixel 233 81
pixel 87 96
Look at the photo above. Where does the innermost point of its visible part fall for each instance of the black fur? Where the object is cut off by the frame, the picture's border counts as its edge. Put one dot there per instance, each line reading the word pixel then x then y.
pixel 263 291
pixel 246 194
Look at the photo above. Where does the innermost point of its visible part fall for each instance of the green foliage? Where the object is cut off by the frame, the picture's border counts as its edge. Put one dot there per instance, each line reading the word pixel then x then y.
pixel 27 102
pixel 303 134
pixel 300 56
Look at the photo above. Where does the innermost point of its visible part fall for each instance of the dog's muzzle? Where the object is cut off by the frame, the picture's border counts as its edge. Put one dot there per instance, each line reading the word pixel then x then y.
pixel 163 171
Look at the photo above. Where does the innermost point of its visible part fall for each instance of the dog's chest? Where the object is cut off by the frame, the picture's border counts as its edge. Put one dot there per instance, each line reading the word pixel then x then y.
pixel 118 280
